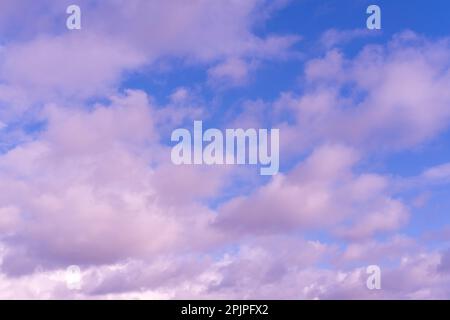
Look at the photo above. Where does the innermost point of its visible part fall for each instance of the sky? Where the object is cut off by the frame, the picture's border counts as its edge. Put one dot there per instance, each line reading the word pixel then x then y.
pixel 86 177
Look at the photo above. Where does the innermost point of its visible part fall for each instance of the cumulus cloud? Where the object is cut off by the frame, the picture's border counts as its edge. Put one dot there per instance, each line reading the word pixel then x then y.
pixel 269 268
pixel 86 192
pixel 72 65
pixel 335 38
pixel 322 192
pixel 232 71
pixel 372 100
pixel 92 184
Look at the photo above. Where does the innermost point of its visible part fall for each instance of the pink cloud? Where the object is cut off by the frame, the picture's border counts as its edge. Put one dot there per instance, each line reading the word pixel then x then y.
pixel 233 71
pixel 85 192
pixel 267 268
pixel 390 89
pixel 333 37
pixel 95 187
pixel 71 65
pixel 322 192
pixel 90 61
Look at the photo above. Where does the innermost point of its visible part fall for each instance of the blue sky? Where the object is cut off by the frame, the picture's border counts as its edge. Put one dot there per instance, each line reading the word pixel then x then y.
pixel 311 19
pixel 85 171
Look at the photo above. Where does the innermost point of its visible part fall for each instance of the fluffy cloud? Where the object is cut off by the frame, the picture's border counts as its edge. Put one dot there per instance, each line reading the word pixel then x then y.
pixel 322 192
pixel 233 71
pixel 123 35
pixel 72 65
pixel 333 37
pixel 85 192
pixel 273 267
pixel 373 100
pixel 93 184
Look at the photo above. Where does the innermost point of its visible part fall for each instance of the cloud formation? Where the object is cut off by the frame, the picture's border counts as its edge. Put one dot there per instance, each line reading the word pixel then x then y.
pixel 86 177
